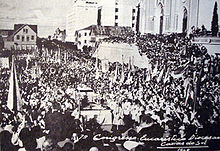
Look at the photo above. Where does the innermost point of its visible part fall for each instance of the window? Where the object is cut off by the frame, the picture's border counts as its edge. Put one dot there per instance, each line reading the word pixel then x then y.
pixel 23 30
pixel 28 38
pixel 22 38
pixel 26 30
pixel 133 10
pixel 85 41
pixel 32 37
pixel 18 37
pixel 116 9
pixel 116 24
pixel 116 17
pixel 85 34
pixel 132 25
pixel 79 35
pixel 133 17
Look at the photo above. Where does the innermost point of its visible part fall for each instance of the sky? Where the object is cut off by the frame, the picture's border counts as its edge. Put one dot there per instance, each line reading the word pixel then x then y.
pixel 206 12
pixel 51 14
pixel 47 14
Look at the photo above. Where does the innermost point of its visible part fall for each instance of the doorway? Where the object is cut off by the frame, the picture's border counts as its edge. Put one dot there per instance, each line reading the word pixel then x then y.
pixel 184 29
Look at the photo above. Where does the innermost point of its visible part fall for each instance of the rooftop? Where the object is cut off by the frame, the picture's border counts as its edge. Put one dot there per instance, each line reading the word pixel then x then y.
pixel 107 30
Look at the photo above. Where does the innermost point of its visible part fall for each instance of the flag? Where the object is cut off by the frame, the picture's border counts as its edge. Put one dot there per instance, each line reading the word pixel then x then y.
pixel 97 74
pixel 116 73
pixel 166 77
pixel 14 101
pixel 180 70
pixel 65 57
pixel 111 82
pixel 27 62
pixel 59 56
pixel 47 55
pixel 132 64
pixel 105 65
pixel 129 63
pixel 97 66
pixel 160 76
pixel 122 73
pixel 188 91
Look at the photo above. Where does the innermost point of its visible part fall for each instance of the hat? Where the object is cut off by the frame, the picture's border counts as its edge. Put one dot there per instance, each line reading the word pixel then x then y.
pixel 131 144
pixel 93 149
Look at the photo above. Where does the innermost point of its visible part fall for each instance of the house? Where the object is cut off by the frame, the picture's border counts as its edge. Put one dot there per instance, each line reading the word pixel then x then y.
pixel 89 36
pixel 60 35
pixel 23 36
pixel 5 33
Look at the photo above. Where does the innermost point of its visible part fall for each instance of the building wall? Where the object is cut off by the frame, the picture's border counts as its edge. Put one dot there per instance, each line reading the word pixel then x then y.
pixel 121 17
pixel 126 13
pixel 9 45
pixel 169 14
pixel 82 14
pixel 83 38
pixel 25 38
pixel 87 38
pixel 70 26
pixel 107 12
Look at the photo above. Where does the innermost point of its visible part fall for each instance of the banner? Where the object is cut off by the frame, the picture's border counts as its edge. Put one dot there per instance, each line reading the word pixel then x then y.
pixel 4 62
pixel 14 101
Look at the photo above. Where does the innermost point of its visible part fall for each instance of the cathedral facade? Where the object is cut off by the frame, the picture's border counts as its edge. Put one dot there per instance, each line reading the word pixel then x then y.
pixel 168 16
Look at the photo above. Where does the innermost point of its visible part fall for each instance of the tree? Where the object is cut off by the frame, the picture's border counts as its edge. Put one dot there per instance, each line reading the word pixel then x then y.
pixel 214 27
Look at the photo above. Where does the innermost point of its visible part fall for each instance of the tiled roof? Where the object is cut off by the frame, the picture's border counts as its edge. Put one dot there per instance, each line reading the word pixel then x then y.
pixel 107 30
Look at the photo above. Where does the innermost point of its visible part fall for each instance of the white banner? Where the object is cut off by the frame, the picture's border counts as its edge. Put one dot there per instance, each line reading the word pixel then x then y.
pixel 4 62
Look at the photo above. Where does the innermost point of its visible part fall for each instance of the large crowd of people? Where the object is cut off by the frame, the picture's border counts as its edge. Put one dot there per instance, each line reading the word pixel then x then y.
pixel 177 95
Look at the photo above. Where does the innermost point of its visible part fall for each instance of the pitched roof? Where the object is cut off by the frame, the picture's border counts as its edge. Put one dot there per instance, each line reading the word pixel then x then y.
pixel 18 27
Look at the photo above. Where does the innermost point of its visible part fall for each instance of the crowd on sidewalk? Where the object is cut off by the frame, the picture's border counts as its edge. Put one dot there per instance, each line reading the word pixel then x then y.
pixel 177 95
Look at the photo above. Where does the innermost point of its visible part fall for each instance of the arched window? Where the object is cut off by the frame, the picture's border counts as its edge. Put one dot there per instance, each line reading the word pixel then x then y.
pixel 184 27
pixel 161 15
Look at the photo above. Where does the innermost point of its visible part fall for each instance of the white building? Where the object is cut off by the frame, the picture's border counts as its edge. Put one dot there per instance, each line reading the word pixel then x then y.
pixel 165 16
pixel 118 12
pixel 89 36
pixel 82 14
pixel 59 35
pixel 24 36
pixel 101 12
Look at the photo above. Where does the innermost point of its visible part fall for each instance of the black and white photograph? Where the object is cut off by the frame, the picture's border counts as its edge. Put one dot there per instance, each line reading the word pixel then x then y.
pixel 109 75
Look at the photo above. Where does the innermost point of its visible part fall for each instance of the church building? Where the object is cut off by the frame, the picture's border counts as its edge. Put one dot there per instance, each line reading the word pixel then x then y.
pixel 168 16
